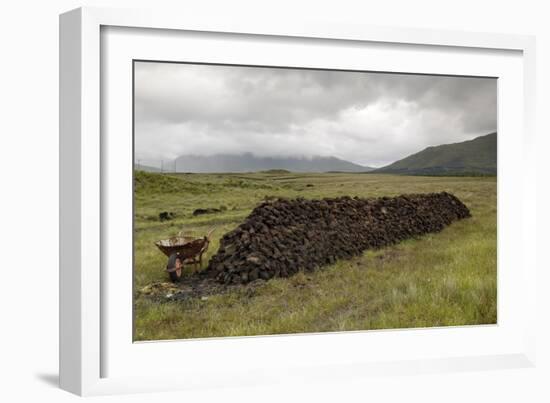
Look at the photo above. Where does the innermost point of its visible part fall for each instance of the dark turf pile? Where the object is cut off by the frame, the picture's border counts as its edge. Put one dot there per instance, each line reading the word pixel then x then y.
pixel 282 237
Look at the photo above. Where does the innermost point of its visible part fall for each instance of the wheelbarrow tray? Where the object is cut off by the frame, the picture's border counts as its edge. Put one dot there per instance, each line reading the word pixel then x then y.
pixel 186 247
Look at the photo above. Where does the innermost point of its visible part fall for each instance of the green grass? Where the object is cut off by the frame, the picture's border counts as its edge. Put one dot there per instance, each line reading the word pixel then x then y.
pixel 442 279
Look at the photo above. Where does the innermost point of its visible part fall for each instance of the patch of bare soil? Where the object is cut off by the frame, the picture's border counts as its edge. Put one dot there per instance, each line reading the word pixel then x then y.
pixel 195 286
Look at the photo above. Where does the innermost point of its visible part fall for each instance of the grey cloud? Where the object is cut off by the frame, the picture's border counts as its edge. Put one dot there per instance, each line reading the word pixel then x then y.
pixel 368 118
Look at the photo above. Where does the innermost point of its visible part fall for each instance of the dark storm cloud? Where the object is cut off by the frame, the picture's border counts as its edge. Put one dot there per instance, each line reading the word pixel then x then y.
pixel 368 118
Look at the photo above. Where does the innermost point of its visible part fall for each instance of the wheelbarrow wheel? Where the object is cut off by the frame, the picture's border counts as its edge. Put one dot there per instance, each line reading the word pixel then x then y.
pixel 174 267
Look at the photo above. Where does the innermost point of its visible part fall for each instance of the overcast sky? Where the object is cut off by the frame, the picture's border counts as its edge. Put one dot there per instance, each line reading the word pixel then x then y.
pixel 371 119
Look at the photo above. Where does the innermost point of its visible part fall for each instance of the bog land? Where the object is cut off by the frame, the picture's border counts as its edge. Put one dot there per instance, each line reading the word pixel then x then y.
pixel 439 279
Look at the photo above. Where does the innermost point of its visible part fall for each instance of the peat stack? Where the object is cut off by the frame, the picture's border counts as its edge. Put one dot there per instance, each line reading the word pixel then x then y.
pixel 282 237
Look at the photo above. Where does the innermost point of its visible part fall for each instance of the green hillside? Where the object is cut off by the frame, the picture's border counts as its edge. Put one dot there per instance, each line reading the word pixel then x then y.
pixel 477 156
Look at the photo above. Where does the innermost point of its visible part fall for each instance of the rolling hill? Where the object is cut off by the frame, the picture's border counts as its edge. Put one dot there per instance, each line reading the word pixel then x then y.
pixel 146 168
pixel 477 156
pixel 249 162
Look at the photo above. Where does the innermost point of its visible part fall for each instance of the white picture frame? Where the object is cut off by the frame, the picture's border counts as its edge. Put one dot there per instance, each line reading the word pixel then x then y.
pixel 88 319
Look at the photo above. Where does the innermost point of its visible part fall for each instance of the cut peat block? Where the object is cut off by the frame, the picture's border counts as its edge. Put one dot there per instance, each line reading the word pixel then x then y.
pixel 282 237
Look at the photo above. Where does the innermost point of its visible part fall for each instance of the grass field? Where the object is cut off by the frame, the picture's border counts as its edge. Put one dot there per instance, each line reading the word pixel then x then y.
pixel 443 279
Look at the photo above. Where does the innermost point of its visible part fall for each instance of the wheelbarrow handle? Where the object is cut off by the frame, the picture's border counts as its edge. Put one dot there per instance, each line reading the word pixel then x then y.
pixel 210 232
pixel 182 234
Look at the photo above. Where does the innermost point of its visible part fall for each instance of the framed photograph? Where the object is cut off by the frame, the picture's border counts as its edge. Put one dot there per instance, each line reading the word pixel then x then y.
pixel 250 202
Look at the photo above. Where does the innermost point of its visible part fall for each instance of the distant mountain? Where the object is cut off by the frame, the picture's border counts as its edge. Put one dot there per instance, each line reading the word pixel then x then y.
pixel 477 156
pixel 248 162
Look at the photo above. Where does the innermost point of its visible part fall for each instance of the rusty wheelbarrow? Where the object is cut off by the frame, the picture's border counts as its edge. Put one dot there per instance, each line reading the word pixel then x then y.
pixel 182 250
